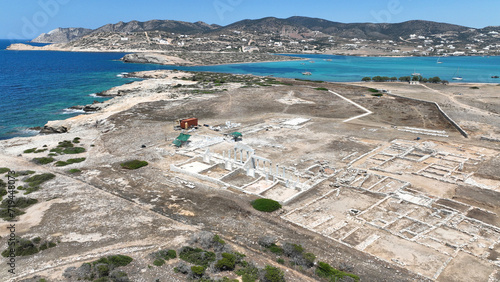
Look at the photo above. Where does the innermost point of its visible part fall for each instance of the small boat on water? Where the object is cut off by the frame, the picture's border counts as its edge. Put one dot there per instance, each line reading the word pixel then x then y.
pixel 415 73
pixel 439 62
pixel 495 76
pixel 456 76
pixel 306 73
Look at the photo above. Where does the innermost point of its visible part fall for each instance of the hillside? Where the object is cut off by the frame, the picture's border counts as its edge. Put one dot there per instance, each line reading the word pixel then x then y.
pixel 62 35
pixel 159 25
pixel 290 35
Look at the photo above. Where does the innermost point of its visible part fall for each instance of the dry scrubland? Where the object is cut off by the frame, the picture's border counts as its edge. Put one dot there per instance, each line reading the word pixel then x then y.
pixel 364 195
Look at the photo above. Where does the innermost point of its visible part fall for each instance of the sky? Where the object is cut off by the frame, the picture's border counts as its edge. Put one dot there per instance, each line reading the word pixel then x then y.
pixel 26 19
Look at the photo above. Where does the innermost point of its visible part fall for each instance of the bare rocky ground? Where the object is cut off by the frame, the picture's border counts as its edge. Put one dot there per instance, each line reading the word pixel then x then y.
pixel 107 210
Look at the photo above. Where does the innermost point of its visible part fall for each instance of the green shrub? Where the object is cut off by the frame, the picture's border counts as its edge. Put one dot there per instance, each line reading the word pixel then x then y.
pixel 44 160
pixel 321 89
pixel 197 256
pixel 309 259
pixel 292 250
pixel 250 273
pixel 102 270
pixel 23 173
pixel 324 270
pixel 74 170
pixel 74 150
pixel 4 170
pixel 5 214
pixel 266 205
pixel 19 203
pixel 76 140
pixel 30 190
pixel 38 179
pixel 65 144
pixel 218 240
pixel 57 150
pixel 373 90
pixel 276 249
pixel 378 95
pixel 3 192
pixel 120 260
pixel 227 263
pixel 171 254
pixel 474 87
pixel 273 274
pixel 280 261
pixel 70 161
pixel 159 262
pixel 22 247
pixel 165 254
pixel 101 260
pixel 135 164
pixel 29 151
pixel 198 271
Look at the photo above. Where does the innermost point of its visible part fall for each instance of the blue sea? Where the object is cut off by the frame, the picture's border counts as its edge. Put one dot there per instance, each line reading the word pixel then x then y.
pixel 38 86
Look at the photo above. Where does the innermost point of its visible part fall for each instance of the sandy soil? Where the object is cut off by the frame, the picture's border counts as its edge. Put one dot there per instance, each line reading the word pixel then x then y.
pixel 106 209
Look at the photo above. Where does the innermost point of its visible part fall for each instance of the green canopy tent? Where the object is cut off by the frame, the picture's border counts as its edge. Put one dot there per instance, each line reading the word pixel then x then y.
pixel 181 139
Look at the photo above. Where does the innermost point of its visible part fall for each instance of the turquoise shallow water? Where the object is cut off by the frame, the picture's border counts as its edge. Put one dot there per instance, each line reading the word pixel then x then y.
pixel 37 86
pixel 348 69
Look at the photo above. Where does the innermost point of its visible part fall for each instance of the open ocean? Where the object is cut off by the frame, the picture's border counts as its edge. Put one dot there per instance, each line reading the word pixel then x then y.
pixel 37 86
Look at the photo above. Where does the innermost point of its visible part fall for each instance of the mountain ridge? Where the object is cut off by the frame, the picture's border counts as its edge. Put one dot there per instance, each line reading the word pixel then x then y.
pixel 276 25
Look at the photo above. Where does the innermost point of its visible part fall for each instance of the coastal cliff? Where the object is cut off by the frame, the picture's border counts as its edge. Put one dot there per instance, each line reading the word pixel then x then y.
pixel 62 35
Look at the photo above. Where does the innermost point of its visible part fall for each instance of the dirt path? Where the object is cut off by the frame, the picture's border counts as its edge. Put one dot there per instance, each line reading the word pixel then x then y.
pixel 454 101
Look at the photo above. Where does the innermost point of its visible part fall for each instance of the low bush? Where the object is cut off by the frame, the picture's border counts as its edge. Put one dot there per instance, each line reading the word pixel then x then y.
pixel 159 262
pixel 321 89
pixel 74 170
pixel 250 273
pixel 65 144
pixel 10 214
pixel 119 260
pixel 197 256
pixel 226 263
pixel 324 270
pixel 275 249
pixel 3 192
pixel 4 170
pixel 74 150
pixel 57 150
pixel 20 203
pixel 272 274
pixel 266 205
pixel 23 173
pixel 373 90
pixel 135 164
pixel 34 150
pixel 44 160
pixel 70 161
pixel 25 247
pixel 197 271
pixel 37 180
pixel 378 95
